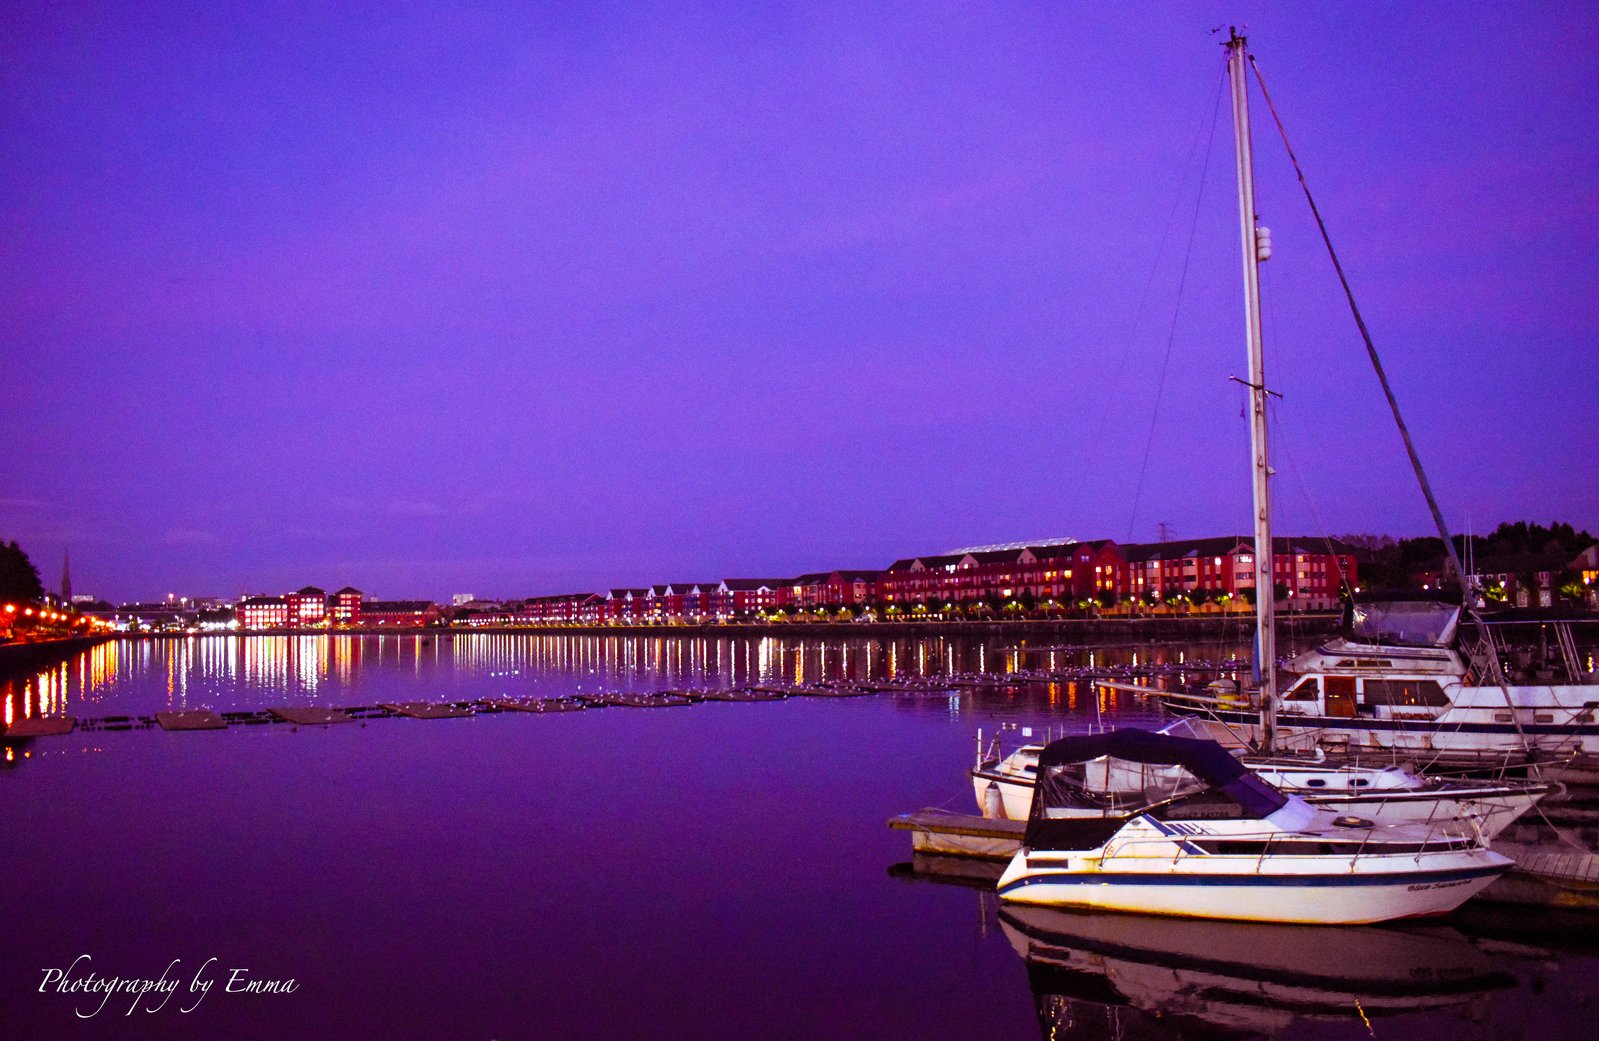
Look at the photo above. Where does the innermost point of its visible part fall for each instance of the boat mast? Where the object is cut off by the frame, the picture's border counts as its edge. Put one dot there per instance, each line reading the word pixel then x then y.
pixel 1256 247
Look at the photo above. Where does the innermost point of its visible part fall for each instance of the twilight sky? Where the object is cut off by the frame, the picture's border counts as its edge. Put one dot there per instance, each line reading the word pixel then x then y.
pixel 527 297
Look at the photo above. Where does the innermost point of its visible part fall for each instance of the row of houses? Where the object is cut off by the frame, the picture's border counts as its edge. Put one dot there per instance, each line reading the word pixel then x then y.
pixel 1050 576
pixel 1524 579
pixel 1046 577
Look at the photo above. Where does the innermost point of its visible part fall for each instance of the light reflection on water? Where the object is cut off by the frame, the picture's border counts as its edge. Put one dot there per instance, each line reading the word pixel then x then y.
pixel 239 672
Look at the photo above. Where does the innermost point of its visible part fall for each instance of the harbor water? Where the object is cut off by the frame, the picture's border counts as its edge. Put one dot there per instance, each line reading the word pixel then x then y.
pixel 720 870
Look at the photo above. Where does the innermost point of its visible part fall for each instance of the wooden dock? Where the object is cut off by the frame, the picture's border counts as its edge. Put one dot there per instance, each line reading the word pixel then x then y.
pixel 42 726
pixel 940 833
pixel 307 717
pixel 427 709
pixel 651 699
pixel 191 719
pixel 537 704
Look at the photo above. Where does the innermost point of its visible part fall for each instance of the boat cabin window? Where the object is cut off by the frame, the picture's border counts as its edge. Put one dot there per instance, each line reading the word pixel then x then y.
pixel 1407 623
pixel 1109 787
pixel 1307 689
pixel 1404 692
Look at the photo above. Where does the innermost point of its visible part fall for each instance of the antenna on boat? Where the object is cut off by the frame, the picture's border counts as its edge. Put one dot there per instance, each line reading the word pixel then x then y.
pixel 1256 242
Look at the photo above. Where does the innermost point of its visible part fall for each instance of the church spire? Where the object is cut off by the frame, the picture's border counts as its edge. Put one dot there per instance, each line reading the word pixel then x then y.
pixel 66 578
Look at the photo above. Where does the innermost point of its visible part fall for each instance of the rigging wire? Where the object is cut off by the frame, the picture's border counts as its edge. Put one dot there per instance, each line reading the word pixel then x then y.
pixel 1371 348
pixel 1171 333
pixel 1280 443
pixel 1497 672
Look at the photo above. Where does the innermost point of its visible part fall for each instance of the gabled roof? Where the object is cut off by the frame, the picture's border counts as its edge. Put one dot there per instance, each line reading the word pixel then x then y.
pixel 310 591
pixel 750 584
pixel 347 590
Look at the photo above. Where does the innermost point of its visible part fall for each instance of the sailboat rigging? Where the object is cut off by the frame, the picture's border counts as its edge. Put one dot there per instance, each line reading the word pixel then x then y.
pixel 1162 824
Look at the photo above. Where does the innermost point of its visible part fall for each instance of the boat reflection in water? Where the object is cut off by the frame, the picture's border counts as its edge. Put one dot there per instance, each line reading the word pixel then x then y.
pixel 1098 975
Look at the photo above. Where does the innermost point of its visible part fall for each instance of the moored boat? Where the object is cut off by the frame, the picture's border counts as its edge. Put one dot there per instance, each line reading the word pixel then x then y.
pixel 1155 824
pixel 1386 794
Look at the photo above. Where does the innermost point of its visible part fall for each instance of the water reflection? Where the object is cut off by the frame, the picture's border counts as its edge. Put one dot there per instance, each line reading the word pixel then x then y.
pixel 1098 975
pixel 231 672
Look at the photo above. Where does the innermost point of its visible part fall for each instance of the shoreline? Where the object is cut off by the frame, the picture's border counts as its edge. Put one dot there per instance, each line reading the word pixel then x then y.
pixel 1098 629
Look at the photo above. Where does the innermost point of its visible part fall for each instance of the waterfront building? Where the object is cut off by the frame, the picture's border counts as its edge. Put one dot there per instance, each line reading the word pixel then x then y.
pixel 263 612
pixel 308 607
pixel 400 613
pixel 743 597
pixel 831 588
pixel 1308 572
pixel 344 606
pixel 560 609
pixel 623 606
pixel 1525 579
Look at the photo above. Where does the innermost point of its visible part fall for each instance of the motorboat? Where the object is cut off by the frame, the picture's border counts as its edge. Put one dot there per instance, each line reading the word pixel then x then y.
pixel 1151 823
pixel 1386 793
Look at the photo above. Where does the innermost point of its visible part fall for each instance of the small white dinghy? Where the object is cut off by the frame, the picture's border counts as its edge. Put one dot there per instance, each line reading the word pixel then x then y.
pixel 1154 824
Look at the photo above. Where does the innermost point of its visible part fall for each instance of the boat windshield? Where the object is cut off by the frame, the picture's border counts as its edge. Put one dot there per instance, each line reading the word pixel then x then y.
pixel 1407 623
pixel 1111 787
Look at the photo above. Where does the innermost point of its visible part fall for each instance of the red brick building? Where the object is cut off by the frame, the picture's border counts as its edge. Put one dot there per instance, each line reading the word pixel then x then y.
pixel 307 607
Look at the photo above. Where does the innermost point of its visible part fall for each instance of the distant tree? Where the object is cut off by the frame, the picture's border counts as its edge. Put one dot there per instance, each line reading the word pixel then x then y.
pixel 1569 585
pixel 19 579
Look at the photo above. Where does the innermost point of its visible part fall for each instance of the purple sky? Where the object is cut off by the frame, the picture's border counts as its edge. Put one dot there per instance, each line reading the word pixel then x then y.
pixel 530 298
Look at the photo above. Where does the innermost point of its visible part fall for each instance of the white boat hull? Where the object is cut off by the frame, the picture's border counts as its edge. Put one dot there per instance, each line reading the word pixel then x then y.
pixel 1373 892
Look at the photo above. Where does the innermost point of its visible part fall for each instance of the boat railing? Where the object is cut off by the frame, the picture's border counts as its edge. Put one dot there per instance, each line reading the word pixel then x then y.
pixel 1437 829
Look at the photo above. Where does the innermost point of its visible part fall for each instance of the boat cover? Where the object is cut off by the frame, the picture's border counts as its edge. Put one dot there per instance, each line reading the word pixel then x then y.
pixel 1207 761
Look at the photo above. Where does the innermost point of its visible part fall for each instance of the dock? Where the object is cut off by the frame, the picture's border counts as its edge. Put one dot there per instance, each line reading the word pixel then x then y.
pixel 43 726
pixel 536 704
pixel 191 719
pixel 945 834
pixel 428 709
pixel 306 717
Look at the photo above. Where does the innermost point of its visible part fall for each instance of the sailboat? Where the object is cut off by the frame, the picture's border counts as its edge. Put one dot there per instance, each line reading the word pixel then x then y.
pixel 1162 824
pixel 1400 680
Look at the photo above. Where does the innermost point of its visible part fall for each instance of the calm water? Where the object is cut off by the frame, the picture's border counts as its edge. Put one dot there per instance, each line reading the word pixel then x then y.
pixel 716 871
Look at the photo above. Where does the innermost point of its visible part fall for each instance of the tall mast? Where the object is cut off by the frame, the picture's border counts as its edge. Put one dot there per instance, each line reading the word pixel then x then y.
pixel 1255 247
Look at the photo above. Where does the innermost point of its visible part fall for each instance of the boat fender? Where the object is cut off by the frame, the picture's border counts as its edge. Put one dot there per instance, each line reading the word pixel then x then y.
pixel 1353 822
pixel 993 805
